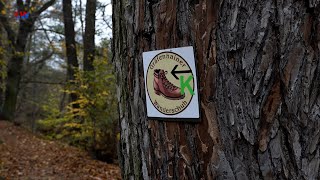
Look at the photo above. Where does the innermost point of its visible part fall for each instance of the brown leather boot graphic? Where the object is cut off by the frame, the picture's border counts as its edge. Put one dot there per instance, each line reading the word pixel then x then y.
pixel 162 86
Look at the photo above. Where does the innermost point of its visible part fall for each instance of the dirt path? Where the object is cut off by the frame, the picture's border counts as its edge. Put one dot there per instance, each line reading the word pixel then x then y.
pixel 27 157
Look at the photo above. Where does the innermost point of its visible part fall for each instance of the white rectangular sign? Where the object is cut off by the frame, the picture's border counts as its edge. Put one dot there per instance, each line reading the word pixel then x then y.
pixel 171 84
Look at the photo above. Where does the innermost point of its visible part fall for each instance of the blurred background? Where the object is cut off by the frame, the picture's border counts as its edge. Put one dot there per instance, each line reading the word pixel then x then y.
pixel 65 98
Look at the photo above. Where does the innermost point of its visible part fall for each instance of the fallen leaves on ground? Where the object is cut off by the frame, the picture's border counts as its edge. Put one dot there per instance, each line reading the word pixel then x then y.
pixel 26 156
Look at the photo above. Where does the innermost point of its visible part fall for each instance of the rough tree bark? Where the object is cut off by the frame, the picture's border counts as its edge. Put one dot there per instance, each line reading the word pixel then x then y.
pixel 258 66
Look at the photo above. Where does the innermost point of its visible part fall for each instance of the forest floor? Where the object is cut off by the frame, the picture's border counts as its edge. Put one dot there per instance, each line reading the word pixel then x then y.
pixel 28 157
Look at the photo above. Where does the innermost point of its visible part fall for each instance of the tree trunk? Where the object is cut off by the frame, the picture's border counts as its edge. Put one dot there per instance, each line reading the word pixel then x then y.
pixel 18 44
pixel 3 61
pixel 14 71
pixel 89 46
pixel 258 69
pixel 72 61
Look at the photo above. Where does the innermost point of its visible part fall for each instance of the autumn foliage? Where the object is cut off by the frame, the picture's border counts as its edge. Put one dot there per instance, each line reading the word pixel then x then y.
pixel 92 126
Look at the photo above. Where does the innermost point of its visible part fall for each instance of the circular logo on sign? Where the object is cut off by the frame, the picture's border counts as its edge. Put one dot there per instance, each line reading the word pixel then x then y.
pixel 170 83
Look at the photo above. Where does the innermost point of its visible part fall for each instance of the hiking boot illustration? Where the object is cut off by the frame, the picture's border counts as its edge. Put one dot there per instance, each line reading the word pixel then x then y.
pixel 163 86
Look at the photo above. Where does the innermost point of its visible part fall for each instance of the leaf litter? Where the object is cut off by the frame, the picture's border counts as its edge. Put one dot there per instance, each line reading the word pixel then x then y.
pixel 28 157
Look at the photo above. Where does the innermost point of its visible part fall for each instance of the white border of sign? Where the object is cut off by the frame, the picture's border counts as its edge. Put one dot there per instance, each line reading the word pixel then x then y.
pixel 192 111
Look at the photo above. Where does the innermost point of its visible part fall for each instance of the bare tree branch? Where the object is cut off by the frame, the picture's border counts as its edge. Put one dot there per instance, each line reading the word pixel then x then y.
pixel 106 20
pixel 44 7
pixel 49 30
pixel 44 58
pixel 47 36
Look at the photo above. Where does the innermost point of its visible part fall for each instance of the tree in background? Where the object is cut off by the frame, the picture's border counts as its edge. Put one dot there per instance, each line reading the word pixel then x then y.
pixel 55 49
pixel 92 124
pixel 3 63
pixel 88 44
pixel 71 49
pixel 259 75
pixel 96 132
pixel 17 46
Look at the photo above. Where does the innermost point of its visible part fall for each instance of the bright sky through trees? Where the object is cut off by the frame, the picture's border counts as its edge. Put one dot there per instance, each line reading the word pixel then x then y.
pixel 107 32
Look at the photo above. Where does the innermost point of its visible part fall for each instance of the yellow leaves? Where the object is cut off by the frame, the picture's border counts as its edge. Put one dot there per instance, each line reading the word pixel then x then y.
pixel 73 112
pixel 3 12
pixel 84 86
pixel 32 9
pixel 77 135
pixel 95 112
pixel 70 91
pixel 72 125
pixel 2 51
pixel 118 136
pixel 19 54
pixel 80 101
pixel 2 63
pixel 104 93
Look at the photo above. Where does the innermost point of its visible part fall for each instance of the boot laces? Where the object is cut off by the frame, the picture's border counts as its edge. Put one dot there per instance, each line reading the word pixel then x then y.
pixel 167 84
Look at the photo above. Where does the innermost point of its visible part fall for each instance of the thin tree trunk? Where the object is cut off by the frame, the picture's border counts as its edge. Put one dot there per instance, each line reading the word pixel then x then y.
pixel 3 61
pixel 89 46
pixel 258 69
pixel 72 60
